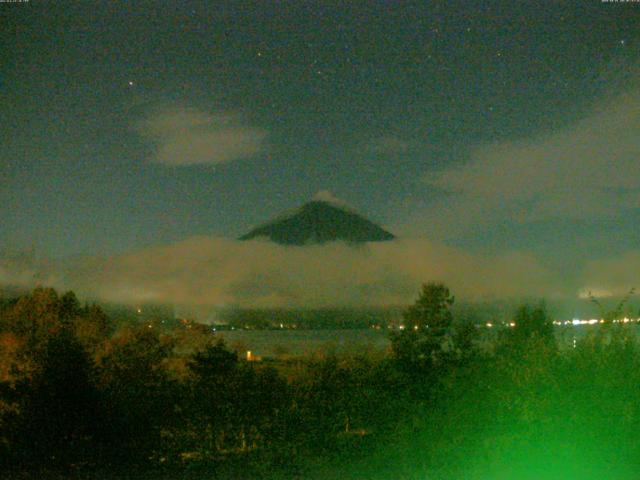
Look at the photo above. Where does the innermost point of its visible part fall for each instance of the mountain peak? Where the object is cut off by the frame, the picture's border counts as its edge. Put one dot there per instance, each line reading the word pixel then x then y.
pixel 318 221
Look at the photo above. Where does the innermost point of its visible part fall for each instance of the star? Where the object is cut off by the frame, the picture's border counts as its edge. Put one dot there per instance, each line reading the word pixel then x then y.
pixel 623 42
pixel 131 83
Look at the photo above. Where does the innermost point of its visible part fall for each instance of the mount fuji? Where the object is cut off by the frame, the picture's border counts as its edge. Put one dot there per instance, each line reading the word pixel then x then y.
pixel 319 221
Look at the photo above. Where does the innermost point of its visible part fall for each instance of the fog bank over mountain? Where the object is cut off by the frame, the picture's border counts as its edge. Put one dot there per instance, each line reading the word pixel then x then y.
pixel 260 273
pixel 222 272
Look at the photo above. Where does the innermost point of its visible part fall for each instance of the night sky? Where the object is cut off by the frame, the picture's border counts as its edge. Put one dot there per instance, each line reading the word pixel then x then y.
pixel 485 128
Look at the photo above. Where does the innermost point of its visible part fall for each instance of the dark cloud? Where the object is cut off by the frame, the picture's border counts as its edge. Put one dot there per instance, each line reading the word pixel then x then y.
pixel 388 144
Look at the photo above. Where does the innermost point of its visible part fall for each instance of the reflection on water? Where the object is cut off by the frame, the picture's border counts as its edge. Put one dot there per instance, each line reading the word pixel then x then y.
pixel 304 342
pixel 274 343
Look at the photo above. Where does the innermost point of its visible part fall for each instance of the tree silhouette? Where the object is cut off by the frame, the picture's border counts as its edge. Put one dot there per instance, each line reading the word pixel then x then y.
pixel 58 412
pixel 531 324
pixel 425 337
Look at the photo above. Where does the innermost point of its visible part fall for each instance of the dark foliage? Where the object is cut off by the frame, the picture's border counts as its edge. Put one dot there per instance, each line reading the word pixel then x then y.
pixel 135 403
pixel 426 337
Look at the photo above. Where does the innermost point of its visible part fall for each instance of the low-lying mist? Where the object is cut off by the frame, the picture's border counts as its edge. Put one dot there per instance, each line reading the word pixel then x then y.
pixel 221 272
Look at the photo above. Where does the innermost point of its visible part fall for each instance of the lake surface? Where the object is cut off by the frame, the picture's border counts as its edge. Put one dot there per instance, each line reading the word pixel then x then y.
pixel 270 343
pixel 267 343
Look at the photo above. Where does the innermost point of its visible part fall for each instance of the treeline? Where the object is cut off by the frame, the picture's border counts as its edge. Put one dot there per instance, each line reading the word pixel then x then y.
pixel 82 396
pixel 310 319
pixel 80 392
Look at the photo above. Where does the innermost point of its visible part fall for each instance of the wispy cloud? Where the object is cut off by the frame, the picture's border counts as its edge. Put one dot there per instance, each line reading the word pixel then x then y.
pixel 587 170
pixel 23 269
pixel 192 137
pixel 329 197
pixel 613 276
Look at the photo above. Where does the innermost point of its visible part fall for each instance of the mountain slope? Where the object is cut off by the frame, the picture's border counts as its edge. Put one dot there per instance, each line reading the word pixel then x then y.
pixel 320 222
